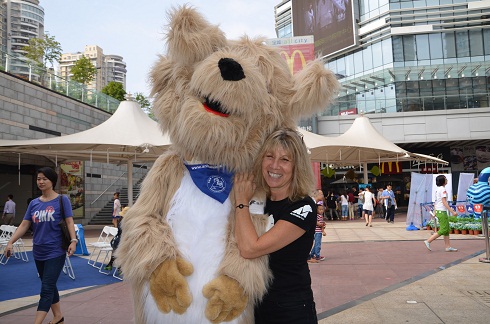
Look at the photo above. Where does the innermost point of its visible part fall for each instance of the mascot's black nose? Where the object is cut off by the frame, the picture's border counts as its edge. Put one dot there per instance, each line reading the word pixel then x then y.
pixel 230 69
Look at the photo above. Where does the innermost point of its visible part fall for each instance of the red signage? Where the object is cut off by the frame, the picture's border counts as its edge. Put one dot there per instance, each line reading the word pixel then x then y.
pixel 351 111
pixel 429 169
pixel 391 167
pixel 297 51
pixel 478 208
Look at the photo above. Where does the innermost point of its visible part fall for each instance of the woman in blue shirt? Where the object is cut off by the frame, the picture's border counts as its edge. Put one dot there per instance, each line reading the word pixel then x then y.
pixel 44 213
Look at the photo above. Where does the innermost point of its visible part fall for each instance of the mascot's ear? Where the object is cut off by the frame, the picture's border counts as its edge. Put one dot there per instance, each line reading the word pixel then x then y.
pixel 314 88
pixel 190 37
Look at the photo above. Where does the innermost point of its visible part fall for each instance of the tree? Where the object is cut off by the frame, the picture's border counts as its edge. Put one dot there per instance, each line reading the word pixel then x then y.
pixel 115 90
pixel 143 101
pixel 145 104
pixel 44 50
pixel 83 71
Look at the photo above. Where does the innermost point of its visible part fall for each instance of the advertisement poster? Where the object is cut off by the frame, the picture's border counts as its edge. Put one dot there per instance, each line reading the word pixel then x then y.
pixel 297 51
pixel 470 158
pixel 72 185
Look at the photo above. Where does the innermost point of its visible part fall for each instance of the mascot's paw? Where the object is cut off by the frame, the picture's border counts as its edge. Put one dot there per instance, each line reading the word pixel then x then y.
pixel 226 299
pixel 169 287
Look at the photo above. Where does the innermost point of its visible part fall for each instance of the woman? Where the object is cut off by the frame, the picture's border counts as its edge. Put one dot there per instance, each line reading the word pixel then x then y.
pixel 441 208
pixel 368 206
pixel 283 171
pixel 44 214
pixel 344 202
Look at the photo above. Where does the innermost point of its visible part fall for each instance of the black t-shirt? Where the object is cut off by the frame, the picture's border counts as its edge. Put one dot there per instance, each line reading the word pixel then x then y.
pixel 331 201
pixel 292 279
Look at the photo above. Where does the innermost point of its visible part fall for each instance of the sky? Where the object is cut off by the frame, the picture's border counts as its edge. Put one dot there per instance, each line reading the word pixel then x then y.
pixel 135 29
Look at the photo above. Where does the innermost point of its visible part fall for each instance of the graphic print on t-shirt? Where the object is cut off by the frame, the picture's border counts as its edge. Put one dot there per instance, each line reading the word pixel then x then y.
pixel 302 212
pixel 46 215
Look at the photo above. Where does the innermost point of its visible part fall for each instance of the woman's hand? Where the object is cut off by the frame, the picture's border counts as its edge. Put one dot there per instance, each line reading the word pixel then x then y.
pixel 8 250
pixel 243 187
pixel 72 248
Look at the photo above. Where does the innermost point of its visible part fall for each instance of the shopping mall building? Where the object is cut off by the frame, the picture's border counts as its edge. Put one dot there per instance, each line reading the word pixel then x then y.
pixel 418 69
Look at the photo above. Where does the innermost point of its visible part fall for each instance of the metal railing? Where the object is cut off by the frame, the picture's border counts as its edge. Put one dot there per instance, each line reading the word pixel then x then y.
pixel 484 227
pixel 409 104
pixel 29 70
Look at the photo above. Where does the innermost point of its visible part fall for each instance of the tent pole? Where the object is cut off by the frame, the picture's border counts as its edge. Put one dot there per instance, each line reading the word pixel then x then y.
pixel 364 167
pixel 130 183
pixel 19 169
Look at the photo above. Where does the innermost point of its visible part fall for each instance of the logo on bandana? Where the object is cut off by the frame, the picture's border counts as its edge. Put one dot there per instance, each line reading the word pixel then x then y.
pixel 213 181
pixel 216 184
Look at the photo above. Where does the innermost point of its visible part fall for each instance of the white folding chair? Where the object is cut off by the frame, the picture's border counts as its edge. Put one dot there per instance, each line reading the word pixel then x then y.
pixel 117 274
pixel 104 241
pixel 107 251
pixel 68 269
pixel 18 251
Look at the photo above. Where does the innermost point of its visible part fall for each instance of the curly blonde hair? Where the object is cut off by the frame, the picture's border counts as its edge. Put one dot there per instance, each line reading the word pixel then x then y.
pixel 302 182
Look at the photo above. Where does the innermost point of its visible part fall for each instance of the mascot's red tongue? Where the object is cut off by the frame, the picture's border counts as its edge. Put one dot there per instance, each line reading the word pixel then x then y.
pixel 213 111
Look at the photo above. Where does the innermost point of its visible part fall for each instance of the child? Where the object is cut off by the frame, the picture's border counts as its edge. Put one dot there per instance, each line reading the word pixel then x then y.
pixel 315 256
pixel 441 208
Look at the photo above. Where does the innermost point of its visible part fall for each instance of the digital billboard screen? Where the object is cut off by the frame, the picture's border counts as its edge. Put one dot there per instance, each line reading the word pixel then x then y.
pixel 331 22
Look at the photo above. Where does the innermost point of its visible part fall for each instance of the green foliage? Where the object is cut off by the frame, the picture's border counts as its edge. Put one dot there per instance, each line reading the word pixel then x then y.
pixel 83 71
pixel 44 50
pixel 115 90
pixel 143 101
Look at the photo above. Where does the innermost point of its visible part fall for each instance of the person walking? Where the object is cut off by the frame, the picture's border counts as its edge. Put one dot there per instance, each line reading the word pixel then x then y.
pixel 44 213
pixel 283 171
pixel 390 203
pixel 116 209
pixel 368 206
pixel 319 232
pixel 380 207
pixel 9 211
pixel 115 241
pixel 441 208
pixel 332 205
pixel 351 198
pixel 344 202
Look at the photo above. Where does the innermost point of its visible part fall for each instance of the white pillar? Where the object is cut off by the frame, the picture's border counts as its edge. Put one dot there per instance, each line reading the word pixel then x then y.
pixel 130 183
pixel 365 170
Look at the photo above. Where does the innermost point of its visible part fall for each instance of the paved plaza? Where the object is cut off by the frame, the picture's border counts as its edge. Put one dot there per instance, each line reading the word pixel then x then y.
pixel 379 274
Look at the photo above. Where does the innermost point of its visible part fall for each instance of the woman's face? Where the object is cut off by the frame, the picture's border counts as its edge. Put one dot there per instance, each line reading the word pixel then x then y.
pixel 277 169
pixel 43 183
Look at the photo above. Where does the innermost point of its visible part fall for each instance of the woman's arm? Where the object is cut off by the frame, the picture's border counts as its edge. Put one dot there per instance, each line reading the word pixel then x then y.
pixel 71 229
pixel 249 243
pixel 444 202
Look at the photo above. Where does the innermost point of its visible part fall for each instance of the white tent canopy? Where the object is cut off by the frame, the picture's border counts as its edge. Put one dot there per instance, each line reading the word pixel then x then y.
pixel 128 136
pixel 359 145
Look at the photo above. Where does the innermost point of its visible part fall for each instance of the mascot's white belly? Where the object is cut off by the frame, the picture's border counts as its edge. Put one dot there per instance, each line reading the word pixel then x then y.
pixel 199 224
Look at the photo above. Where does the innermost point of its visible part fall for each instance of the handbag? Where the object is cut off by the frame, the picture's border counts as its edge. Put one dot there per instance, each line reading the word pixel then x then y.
pixel 65 234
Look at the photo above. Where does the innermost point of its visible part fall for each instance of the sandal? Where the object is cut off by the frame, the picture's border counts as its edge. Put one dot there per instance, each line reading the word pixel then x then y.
pixel 62 320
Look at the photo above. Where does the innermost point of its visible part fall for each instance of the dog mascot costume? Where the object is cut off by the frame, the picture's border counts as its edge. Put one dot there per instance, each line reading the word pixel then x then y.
pixel 218 100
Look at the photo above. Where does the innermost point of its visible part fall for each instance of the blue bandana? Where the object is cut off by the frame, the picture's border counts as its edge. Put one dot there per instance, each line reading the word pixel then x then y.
pixel 214 181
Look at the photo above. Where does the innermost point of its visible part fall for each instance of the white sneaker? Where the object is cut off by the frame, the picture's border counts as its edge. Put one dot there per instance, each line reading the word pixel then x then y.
pixel 451 249
pixel 427 244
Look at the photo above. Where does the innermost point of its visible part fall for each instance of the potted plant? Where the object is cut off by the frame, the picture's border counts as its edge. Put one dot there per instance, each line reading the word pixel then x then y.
pixel 464 229
pixel 430 224
pixel 477 228
pixel 457 228
pixel 451 227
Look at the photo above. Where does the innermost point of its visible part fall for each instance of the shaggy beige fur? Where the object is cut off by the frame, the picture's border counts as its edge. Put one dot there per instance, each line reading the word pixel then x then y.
pixel 266 98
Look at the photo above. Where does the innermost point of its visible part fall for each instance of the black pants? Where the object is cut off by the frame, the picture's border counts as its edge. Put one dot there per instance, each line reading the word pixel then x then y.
pixel 390 213
pixel 293 312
